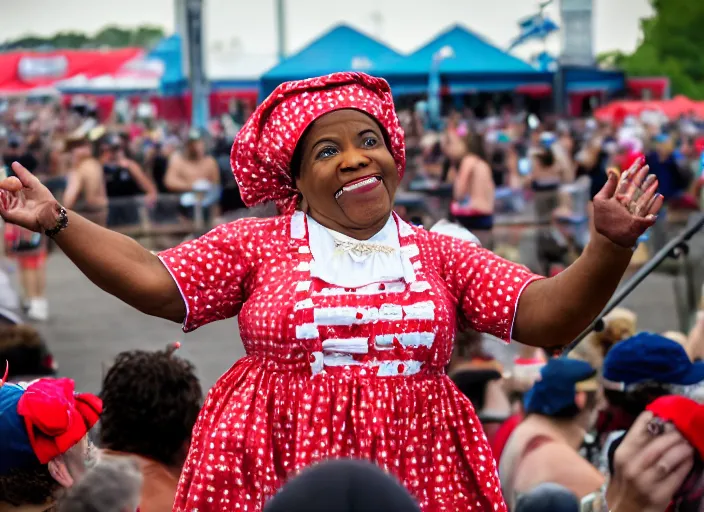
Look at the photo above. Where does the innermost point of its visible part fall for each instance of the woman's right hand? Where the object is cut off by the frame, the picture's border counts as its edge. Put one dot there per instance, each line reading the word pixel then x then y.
pixel 648 469
pixel 26 202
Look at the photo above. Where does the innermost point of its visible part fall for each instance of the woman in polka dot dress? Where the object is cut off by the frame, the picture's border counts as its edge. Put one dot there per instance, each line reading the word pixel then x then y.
pixel 346 312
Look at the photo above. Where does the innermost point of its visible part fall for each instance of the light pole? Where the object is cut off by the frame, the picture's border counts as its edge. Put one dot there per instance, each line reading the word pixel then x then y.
pixel 281 29
pixel 446 52
pixel 198 81
pixel 181 28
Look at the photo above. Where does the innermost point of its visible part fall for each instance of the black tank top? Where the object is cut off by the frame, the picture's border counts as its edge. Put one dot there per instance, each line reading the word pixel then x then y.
pixel 499 169
pixel 119 181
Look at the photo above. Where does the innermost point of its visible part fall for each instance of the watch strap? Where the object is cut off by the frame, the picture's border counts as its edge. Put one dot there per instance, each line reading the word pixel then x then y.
pixel 61 222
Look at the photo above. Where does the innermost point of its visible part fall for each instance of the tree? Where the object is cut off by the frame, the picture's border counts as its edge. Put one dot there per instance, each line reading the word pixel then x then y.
pixel 111 37
pixel 672 46
pixel 147 35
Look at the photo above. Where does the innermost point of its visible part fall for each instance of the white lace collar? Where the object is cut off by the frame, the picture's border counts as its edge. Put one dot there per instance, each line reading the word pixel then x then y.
pixel 343 261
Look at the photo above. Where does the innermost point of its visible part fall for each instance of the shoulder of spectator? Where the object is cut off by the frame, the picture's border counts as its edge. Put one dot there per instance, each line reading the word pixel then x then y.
pixel 175 162
pixel 213 161
pixel 483 165
pixel 565 466
pixel 175 157
pixel 88 164
pixel 74 175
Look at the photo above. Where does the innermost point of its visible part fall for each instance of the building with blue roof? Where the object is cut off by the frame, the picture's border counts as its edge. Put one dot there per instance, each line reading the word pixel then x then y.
pixel 343 48
pixel 476 66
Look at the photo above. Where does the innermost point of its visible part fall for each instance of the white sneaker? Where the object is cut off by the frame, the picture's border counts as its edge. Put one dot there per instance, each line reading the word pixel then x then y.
pixel 38 310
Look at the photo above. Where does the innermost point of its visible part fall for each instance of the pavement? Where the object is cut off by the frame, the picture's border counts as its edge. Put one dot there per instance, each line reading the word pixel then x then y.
pixel 88 327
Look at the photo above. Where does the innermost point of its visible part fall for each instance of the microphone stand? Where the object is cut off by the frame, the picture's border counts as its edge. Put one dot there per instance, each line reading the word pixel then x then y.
pixel 673 249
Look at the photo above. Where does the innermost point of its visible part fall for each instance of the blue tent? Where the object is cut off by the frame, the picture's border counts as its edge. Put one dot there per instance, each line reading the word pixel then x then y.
pixel 168 50
pixel 477 65
pixel 341 49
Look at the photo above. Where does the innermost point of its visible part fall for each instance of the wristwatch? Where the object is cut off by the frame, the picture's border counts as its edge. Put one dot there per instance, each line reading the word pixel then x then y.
pixel 61 222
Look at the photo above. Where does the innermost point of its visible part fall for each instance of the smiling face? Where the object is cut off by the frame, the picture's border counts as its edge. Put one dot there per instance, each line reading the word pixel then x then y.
pixel 347 175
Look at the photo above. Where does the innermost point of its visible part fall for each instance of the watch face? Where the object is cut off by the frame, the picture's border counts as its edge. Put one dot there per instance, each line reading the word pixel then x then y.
pixel 63 218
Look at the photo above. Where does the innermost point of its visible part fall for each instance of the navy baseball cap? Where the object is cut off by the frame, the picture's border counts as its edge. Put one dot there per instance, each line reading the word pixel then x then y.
pixel 649 357
pixel 560 380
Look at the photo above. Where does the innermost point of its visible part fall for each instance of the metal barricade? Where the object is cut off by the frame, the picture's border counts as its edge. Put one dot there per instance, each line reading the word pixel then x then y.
pixel 520 215
pixel 167 218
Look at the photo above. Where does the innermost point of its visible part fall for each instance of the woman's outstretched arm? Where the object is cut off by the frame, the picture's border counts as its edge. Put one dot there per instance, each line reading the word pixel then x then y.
pixel 114 262
pixel 552 312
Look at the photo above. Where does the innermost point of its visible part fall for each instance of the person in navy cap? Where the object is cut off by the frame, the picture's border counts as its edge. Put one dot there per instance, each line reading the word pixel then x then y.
pixel 648 357
pixel 637 371
pixel 545 447
pixel 43 441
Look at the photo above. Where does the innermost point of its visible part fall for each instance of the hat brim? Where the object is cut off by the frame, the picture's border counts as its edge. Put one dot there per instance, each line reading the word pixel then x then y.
pixel 591 384
pixel 694 375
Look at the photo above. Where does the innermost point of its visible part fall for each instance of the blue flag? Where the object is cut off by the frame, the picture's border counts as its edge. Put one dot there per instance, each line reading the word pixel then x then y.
pixel 535 27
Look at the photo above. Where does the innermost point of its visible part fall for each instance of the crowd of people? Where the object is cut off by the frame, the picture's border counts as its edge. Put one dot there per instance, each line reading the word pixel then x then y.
pixel 371 380
pixel 116 171
pixel 508 162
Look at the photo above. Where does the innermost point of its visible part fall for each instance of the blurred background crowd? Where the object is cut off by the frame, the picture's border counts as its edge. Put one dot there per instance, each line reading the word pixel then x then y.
pixel 137 137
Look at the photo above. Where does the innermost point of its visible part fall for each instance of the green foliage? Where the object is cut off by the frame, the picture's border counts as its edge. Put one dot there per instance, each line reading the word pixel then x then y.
pixel 672 45
pixel 111 37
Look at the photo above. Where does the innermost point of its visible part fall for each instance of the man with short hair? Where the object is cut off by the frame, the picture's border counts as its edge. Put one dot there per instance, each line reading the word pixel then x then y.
pixel 195 175
pixel 86 184
pixel 191 166
pixel 560 408
pixel 151 402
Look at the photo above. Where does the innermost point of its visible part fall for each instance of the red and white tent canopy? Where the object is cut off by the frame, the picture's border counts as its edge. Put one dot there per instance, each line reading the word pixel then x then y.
pixel 85 70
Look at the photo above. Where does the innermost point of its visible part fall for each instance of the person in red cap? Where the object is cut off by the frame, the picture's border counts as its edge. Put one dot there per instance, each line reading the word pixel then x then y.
pixel 657 465
pixel 43 441
pixel 347 313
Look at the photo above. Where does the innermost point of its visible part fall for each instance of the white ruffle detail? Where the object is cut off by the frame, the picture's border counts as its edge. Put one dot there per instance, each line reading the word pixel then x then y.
pixel 350 269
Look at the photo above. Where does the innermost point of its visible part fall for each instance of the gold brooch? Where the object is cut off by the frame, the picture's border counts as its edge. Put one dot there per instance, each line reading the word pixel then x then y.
pixel 362 248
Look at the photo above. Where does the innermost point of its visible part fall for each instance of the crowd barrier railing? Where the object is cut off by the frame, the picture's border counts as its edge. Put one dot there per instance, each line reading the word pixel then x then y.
pixel 142 219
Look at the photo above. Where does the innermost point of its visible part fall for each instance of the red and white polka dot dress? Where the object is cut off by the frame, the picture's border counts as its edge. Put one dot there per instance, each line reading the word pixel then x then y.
pixel 333 372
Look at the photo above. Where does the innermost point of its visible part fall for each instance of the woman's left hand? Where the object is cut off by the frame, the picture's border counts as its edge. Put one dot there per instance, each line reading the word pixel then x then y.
pixel 624 208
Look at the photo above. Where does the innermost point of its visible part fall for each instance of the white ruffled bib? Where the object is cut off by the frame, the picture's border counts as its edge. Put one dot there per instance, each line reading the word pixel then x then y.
pixel 343 261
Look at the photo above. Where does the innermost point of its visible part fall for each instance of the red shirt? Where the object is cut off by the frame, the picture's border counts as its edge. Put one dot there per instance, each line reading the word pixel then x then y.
pixel 498 443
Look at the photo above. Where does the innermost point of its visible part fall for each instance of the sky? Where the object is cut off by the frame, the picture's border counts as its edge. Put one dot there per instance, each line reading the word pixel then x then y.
pixel 250 25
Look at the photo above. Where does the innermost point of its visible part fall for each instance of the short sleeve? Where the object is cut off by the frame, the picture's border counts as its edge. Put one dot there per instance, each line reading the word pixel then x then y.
pixel 210 273
pixel 487 287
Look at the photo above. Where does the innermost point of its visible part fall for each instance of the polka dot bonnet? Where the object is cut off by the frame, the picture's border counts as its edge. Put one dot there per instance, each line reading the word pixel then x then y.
pixel 263 149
